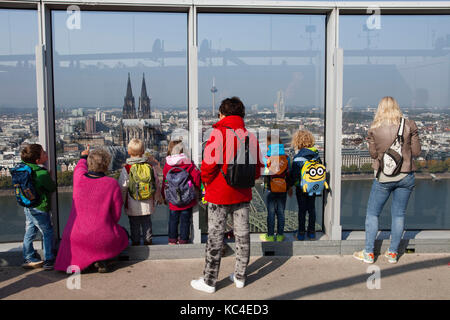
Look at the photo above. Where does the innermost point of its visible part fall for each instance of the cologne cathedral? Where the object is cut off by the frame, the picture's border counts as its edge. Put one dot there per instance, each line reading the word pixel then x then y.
pixel 140 125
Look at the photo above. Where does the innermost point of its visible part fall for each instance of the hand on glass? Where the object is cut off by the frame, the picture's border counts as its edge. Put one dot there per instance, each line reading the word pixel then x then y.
pixel 85 152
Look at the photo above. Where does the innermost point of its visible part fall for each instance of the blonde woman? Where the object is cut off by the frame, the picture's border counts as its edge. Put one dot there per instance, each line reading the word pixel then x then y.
pixel 382 134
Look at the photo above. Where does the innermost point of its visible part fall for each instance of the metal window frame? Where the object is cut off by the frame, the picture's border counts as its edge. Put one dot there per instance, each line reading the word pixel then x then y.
pixel 333 72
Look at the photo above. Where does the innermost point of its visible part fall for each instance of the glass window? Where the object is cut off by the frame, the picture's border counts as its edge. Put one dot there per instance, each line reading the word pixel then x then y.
pixel 408 58
pixel 275 64
pixel 117 75
pixel 18 109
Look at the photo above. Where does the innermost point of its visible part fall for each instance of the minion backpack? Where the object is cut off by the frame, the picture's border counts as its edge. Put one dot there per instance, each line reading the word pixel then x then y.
pixel 313 177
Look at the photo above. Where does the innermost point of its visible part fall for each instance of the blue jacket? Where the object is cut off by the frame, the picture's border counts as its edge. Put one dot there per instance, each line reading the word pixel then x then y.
pixel 300 158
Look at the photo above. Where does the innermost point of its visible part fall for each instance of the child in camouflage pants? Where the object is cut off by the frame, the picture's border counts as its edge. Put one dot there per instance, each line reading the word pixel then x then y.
pixel 217 215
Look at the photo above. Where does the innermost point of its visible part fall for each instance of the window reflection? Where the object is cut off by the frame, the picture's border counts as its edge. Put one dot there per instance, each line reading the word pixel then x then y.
pixel 277 68
pixel 18 109
pixel 408 58
pixel 122 75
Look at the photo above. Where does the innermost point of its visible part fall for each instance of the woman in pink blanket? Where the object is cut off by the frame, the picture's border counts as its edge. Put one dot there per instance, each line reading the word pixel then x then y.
pixel 92 234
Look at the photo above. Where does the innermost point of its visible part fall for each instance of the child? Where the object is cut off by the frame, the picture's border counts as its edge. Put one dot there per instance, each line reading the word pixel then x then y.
pixel 181 180
pixel 276 187
pixel 303 144
pixel 139 200
pixel 38 217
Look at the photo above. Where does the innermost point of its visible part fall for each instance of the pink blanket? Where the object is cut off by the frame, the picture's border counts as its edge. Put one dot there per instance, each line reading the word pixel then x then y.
pixel 92 232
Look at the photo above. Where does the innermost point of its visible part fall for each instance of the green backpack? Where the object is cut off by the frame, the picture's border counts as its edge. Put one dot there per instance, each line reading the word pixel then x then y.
pixel 142 184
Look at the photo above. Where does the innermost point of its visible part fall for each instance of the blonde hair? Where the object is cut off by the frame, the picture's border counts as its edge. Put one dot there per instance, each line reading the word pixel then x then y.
pixel 98 160
pixel 175 147
pixel 388 112
pixel 136 147
pixel 302 139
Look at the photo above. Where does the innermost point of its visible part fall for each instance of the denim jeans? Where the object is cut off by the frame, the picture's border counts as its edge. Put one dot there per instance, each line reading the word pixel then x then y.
pixel 401 190
pixel 275 203
pixel 306 203
pixel 37 220
pixel 183 218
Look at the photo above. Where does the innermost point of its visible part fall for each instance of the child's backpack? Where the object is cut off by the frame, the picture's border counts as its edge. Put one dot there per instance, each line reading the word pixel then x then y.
pixel 142 184
pixel 22 180
pixel 278 167
pixel 313 177
pixel 179 191
pixel 242 172
pixel 203 194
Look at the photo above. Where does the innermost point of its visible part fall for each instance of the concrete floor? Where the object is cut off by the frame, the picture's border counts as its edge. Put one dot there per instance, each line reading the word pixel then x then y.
pixel 416 276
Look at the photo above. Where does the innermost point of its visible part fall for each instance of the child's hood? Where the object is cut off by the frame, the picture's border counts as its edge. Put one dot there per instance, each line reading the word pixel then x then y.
pixel 132 161
pixel 308 152
pixel 275 150
pixel 177 159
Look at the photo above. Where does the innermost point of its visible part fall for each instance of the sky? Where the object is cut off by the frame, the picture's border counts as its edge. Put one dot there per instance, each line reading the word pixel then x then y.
pixel 257 73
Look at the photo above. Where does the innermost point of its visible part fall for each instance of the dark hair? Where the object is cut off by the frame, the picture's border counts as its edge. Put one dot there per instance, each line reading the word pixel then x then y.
pixel 232 107
pixel 31 152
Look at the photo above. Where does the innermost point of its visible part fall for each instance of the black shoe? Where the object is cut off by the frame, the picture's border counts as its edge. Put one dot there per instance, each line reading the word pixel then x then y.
pixel 148 243
pixel 102 267
pixel 49 265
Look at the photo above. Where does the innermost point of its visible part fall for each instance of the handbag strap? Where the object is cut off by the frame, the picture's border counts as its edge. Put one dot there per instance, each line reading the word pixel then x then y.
pixel 401 130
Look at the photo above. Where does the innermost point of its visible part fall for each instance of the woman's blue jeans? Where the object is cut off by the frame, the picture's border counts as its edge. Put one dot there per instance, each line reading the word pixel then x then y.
pixel 401 190
pixel 36 220
pixel 275 203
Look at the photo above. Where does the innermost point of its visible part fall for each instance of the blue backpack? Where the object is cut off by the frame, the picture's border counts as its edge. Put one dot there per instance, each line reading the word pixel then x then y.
pixel 22 180
pixel 180 190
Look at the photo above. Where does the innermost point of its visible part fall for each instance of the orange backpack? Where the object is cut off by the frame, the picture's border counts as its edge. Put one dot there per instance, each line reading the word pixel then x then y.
pixel 278 166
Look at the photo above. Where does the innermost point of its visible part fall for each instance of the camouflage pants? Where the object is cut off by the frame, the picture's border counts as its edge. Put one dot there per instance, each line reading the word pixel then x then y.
pixel 217 217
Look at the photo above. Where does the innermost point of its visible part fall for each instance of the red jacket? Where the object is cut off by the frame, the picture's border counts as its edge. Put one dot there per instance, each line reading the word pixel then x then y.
pixel 217 189
pixel 181 161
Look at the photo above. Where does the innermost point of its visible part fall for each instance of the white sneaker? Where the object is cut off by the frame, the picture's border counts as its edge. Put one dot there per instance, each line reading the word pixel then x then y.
pixel 202 286
pixel 239 283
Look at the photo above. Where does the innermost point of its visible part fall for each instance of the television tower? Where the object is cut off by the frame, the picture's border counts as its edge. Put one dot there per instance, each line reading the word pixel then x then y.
pixel 213 91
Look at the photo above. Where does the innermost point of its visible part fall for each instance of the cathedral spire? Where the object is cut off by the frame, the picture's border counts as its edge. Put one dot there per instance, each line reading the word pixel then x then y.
pixel 144 87
pixel 129 110
pixel 144 102
pixel 129 91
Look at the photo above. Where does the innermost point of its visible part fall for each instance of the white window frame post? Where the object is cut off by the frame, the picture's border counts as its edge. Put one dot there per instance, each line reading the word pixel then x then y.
pixel 45 102
pixel 194 139
pixel 333 130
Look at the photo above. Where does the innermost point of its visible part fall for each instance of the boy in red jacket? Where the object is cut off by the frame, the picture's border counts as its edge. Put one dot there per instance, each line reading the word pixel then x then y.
pixel 181 182
pixel 224 199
